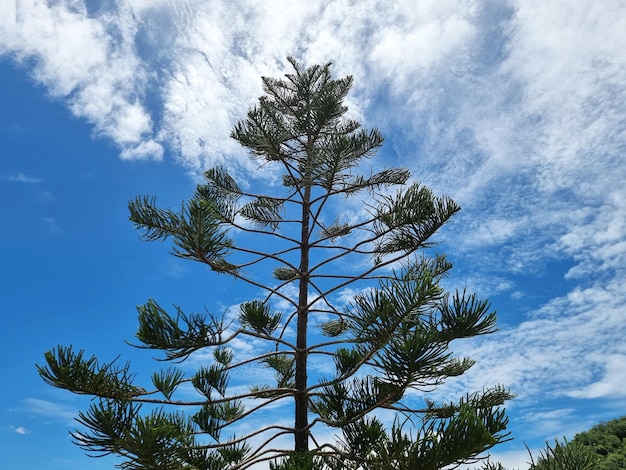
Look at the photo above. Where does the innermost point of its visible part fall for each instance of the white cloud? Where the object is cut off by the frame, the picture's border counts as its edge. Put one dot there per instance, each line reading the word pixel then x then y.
pixel 90 62
pixel 48 409
pixel 145 150
pixel 22 178
pixel 494 231
pixel 21 430
pixel 132 122
pixel 611 385
pixel 180 74
pixel 155 74
pixel 570 347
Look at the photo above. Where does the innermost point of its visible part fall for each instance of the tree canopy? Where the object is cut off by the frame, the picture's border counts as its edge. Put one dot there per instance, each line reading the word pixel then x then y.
pixel 603 447
pixel 329 228
pixel 608 441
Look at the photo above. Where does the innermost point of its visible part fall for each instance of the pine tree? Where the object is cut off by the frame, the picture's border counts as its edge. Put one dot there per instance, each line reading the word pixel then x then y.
pixel 387 347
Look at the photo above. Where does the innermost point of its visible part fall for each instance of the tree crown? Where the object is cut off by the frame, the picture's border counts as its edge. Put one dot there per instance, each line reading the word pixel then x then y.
pixel 381 351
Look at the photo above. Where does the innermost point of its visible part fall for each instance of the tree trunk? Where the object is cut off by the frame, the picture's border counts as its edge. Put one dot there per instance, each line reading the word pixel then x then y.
pixel 301 398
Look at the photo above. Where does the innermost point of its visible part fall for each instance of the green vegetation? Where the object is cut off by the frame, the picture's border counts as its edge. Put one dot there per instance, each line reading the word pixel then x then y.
pixel 608 442
pixel 603 447
pixel 325 229
pixel 565 456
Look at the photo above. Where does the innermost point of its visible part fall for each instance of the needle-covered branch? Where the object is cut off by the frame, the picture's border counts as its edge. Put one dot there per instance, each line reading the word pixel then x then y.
pixel 72 371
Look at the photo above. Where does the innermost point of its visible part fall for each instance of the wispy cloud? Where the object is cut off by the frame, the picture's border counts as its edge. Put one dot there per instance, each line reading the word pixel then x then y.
pixel 101 78
pixel 50 225
pixel 149 76
pixel 46 197
pixel 571 347
pixel 48 409
pixel 170 268
pixel 20 430
pixel 610 383
pixel 22 178
pixel 16 131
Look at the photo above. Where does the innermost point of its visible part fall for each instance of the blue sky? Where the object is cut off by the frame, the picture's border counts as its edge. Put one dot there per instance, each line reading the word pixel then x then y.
pixel 513 108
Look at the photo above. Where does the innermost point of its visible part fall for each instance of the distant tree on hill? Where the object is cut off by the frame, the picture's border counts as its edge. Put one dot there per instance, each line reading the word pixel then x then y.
pixel 608 442
pixel 299 247
pixel 603 447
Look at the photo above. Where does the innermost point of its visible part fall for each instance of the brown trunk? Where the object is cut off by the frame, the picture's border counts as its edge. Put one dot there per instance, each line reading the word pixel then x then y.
pixel 302 400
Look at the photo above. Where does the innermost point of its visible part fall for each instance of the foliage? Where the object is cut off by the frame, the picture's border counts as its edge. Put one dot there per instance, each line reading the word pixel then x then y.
pixel 565 456
pixel 383 350
pixel 603 447
pixel 489 465
pixel 608 441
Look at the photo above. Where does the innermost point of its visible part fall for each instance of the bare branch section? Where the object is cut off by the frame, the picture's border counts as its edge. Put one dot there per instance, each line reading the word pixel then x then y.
pixel 295 246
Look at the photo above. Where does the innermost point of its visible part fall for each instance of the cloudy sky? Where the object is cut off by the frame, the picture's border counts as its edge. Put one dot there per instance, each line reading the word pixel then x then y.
pixel 515 108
